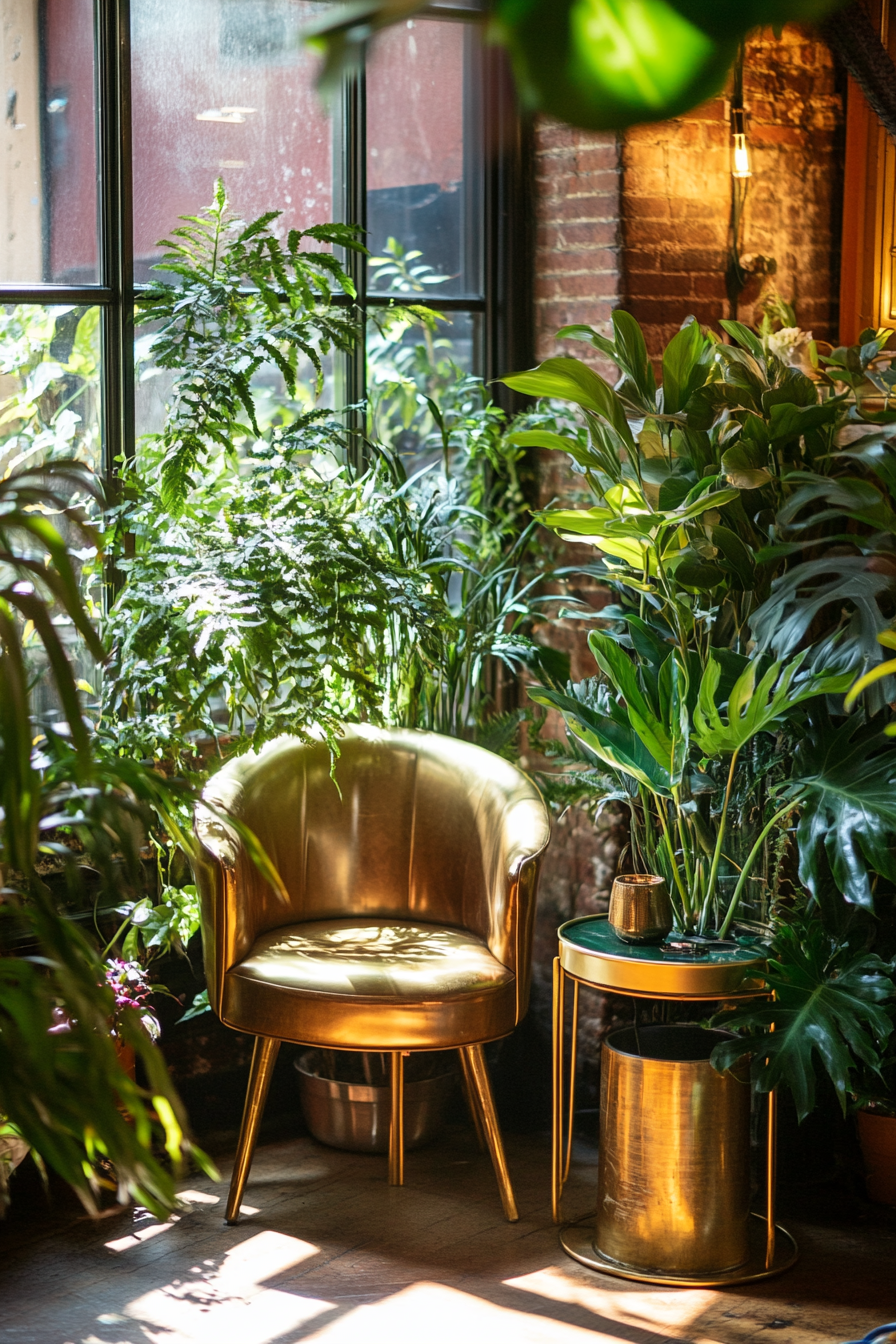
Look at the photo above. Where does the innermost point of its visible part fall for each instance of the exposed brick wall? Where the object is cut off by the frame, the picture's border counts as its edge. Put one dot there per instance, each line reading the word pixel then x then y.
pixel 676 195
pixel 577 231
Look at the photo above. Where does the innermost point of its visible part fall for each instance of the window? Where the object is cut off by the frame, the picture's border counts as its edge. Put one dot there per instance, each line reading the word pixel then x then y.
pixel 120 115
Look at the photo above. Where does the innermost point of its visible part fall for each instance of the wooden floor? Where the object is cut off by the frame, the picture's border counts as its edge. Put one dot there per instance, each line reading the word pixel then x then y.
pixel 328 1252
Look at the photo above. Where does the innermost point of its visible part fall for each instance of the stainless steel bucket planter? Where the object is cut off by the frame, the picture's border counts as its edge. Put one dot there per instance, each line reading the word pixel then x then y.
pixel 355 1116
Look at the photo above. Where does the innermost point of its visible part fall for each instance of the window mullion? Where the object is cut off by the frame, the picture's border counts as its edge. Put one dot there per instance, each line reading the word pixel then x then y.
pixel 350 159
pixel 115 225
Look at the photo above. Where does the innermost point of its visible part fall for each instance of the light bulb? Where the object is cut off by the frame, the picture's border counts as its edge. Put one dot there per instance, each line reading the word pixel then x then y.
pixel 741 157
pixel 740 154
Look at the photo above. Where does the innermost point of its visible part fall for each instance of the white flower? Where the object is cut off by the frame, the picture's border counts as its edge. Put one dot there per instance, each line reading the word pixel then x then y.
pixel 790 345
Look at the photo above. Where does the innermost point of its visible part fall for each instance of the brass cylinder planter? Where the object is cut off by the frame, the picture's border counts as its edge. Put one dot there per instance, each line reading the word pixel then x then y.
pixel 674 1162
pixel 640 909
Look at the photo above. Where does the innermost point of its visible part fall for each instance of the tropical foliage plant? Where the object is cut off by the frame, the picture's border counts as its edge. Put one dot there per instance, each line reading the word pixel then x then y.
pixel 65 1092
pixel 741 511
pixel 750 550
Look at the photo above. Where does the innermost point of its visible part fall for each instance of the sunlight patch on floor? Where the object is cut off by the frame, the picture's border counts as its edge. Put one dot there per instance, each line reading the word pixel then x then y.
pixel 226 1302
pixel 440 1315
pixel 673 1309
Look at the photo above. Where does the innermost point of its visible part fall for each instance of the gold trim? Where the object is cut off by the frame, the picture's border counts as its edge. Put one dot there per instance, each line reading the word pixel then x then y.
pixel 577 1240
pixel 655 979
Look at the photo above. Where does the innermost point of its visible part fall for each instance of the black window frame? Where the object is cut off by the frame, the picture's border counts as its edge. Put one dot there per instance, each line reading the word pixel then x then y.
pixel 505 302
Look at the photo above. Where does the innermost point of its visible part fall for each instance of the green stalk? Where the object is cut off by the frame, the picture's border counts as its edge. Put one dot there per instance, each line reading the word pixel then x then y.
pixel 686 910
pixel 751 859
pixel 717 852
pixel 685 857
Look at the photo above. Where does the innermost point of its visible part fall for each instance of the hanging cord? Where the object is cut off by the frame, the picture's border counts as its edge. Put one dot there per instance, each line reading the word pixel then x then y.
pixel 736 276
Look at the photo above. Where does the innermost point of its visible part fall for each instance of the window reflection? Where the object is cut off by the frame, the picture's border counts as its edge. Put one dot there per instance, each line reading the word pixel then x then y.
pixel 409 361
pixel 49 385
pixel 223 88
pixel 422 164
pixel 48 172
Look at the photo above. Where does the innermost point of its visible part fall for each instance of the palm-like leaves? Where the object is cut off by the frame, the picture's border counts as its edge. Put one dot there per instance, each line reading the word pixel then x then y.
pixel 66 1094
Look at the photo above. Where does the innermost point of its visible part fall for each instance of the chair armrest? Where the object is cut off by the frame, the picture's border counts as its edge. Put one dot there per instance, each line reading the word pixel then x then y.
pixel 527 831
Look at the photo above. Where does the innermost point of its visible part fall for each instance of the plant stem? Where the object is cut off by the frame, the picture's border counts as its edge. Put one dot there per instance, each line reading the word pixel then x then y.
pixel 717 852
pixel 686 910
pixel 750 860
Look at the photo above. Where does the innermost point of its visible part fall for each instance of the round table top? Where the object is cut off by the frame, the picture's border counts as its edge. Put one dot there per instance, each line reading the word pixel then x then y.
pixel 592 953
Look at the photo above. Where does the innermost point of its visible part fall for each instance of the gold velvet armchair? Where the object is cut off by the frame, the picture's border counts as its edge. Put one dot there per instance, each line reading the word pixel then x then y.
pixel 408 925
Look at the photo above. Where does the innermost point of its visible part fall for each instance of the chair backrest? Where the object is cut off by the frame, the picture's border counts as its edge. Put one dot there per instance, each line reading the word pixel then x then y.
pixel 407 825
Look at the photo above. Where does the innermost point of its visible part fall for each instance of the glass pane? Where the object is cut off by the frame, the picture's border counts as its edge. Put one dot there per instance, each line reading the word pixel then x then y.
pixel 50 409
pixel 223 88
pixel 275 408
pixel 423 160
pixel 49 385
pixel 49 170
pixel 406 363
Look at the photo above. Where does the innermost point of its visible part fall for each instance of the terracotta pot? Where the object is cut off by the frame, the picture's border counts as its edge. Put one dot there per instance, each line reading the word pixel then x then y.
pixel 126 1057
pixel 877 1136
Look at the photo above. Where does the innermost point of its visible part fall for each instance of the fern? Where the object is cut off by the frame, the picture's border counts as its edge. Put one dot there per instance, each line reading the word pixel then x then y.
pixel 244 300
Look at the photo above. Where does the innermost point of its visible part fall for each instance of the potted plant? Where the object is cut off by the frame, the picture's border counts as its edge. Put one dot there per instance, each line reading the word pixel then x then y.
pixel 742 514
pixel 274 585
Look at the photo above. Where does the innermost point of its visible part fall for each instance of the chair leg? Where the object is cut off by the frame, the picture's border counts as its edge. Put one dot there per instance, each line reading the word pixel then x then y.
pixel 264 1057
pixel 470 1097
pixel 477 1072
pixel 396 1128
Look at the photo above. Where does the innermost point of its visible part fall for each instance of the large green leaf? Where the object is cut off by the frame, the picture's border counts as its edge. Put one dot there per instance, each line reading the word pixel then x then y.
pixel 618 746
pixel 827 1008
pixel 848 775
pixel 605 64
pixel 622 673
pixel 632 358
pixel 571 380
pixel 847 587
pixel 751 708
pixel 683 371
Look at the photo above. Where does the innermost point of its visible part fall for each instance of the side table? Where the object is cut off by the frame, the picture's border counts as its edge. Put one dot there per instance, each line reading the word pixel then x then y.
pixel 590 954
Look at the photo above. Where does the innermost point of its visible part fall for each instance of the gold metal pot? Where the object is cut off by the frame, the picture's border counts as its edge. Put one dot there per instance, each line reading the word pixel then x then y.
pixel 640 909
pixel 673 1169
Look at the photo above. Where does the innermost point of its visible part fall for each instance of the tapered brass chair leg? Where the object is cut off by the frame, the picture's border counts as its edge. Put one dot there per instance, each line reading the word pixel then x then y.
pixel 477 1072
pixel 470 1096
pixel 264 1057
pixel 396 1128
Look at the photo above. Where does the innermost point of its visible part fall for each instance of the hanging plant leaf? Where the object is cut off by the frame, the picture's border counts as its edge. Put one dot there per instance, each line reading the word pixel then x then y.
pixel 723 21
pixel 607 64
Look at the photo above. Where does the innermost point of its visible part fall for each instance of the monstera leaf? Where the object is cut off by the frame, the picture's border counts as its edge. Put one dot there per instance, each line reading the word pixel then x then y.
pixel 827 1008
pixel 848 775
pixel 751 708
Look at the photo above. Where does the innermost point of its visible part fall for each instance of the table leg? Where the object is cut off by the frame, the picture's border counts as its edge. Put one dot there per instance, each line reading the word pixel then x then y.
pixel 771 1165
pixel 572 1077
pixel 557 1115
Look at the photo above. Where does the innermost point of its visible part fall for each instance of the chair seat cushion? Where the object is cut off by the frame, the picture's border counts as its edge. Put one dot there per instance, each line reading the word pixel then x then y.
pixel 371 984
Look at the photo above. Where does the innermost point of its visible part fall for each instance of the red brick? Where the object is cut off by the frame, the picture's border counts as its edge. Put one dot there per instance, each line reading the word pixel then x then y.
pixel 590 262
pixel 565 237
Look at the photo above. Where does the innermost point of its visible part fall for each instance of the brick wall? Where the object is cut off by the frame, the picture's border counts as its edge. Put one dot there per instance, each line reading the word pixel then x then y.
pixel 578 218
pixel 676 194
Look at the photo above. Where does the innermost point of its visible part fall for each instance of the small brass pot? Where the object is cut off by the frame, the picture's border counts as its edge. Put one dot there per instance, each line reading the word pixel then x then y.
pixel 640 909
